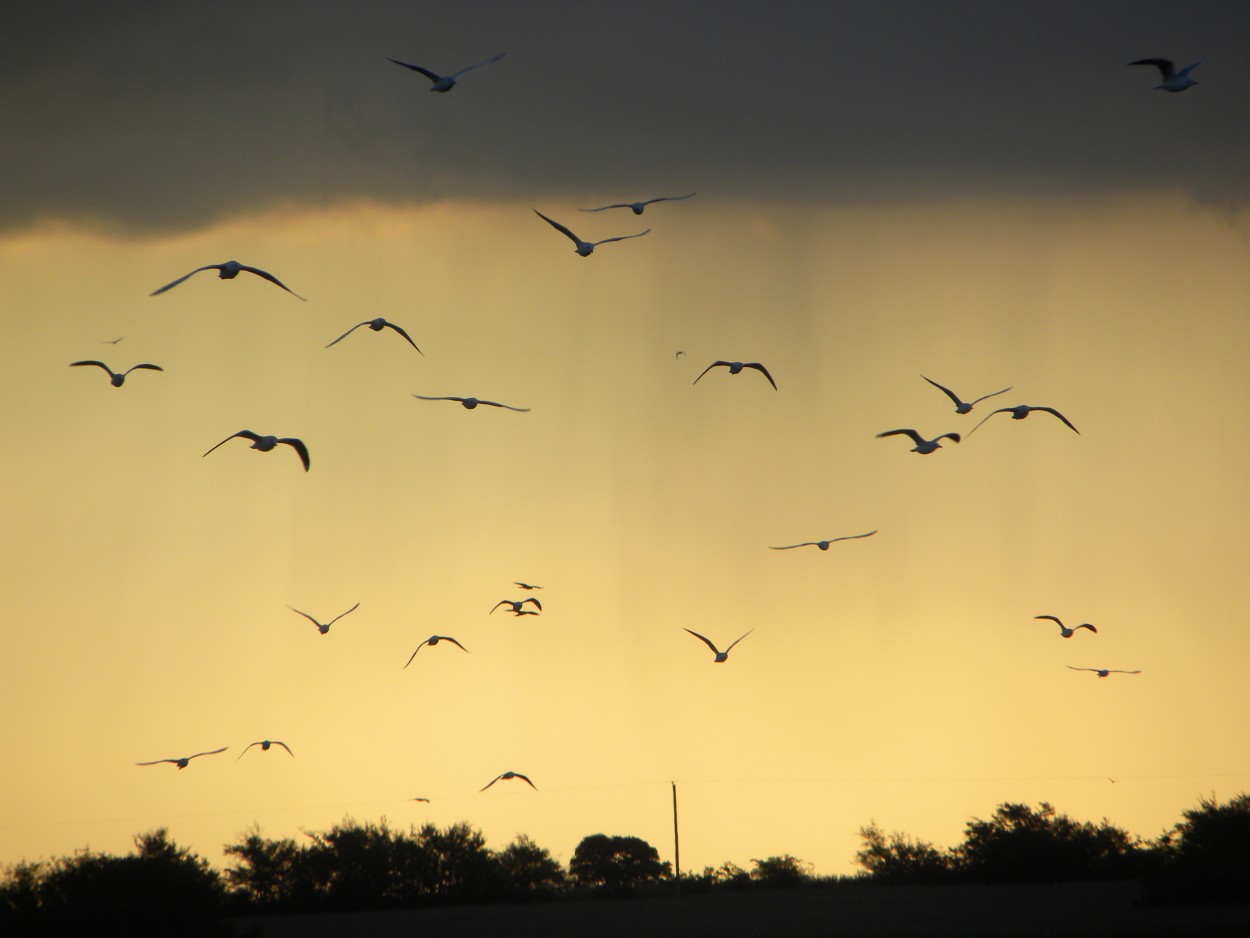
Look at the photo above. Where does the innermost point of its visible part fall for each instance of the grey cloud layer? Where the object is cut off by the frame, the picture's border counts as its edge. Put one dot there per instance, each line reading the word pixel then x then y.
pixel 156 117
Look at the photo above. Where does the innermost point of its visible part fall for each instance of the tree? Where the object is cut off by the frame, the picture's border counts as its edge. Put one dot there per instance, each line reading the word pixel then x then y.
pixel 529 869
pixel 899 858
pixel 616 863
pixel 1207 855
pixel 459 866
pixel 270 873
pixel 362 866
pixel 782 871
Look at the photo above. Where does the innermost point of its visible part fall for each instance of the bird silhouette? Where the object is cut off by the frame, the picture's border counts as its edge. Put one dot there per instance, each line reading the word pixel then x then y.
pixel 182 763
pixel 963 407
pixel 471 402
pixel 116 379
pixel 228 271
pixel 721 656
pixel 1172 79
pixel 1103 672
pixel 824 545
pixel 323 627
pixel 585 248
pixel 265 745
pixel 736 368
pixel 1064 630
pixel 526 586
pixel 266 443
pixel 1020 411
pixel 443 83
pixel 516 604
pixel 507 775
pixel 434 640
pixel 377 325
pixel 923 446
pixel 637 207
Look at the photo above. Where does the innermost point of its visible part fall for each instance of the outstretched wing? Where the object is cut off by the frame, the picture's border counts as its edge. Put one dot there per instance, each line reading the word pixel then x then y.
pixel 246 434
pixel 792 546
pixel 1001 410
pixel 491 782
pixel 246 748
pixel 170 286
pixel 526 779
pixel 348 332
pixel 448 638
pixel 668 198
pixel 709 368
pixel 469 68
pixel 414 654
pixel 401 331
pixel 738 639
pixel 622 237
pixel 340 615
pixel 559 227
pixel 762 370
pixel 520 410
pixel 145 365
pixel 984 396
pixel 299 447
pixel 93 362
pixel 271 278
pixel 1051 410
pixel 1164 66
pixel 706 641
pixel 211 752
pixel 945 390
pixel 425 398
pixel 417 68
pixel 1054 619
pixel 603 208
pixel 308 617
pixel 916 437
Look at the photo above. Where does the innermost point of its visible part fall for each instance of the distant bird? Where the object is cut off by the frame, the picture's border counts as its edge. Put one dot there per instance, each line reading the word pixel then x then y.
pixel 508 775
pixel 112 341
pixel 736 368
pixel 1020 411
pixel 1172 79
pixel 824 545
pixel 117 379
pixel 585 248
pixel 324 627
pixel 1103 672
pixel 516 604
pixel 182 763
pixel 963 407
pixel 471 402
pixel 264 745
pixel 228 271
pixel 446 82
pixel 525 612
pixel 266 443
pixel 434 640
pixel 426 800
pixel 721 656
pixel 637 207
pixel 923 446
pixel 526 586
pixel 1064 630
pixel 377 325
pixel 680 355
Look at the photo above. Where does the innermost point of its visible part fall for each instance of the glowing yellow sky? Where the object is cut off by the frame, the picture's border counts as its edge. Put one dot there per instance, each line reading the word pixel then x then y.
pixel 899 677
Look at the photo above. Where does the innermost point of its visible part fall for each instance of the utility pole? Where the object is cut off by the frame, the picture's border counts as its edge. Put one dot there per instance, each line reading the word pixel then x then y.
pixel 676 841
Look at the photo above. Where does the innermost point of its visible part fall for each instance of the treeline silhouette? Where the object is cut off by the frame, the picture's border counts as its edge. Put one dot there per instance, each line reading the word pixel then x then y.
pixel 354 866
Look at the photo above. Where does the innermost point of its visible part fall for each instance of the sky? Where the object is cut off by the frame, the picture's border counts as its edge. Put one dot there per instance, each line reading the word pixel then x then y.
pixel 980 193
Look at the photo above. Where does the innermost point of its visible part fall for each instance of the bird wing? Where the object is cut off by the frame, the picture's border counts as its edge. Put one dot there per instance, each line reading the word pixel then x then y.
pixel 520 410
pixel 271 278
pixel 158 762
pixel 531 599
pixel 1001 410
pixel 762 370
pixel 1051 410
pixel 211 752
pixel 709 368
pixel 246 748
pixel 1184 72
pixel 417 68
pixel 144 365
pixel 916 437
pixel 1163 65
pixel 414 654
pixel 170 286
pixel 995 394
pixel 93 362
pixel 738 639
pixel 246 434
pixel 792 546
pixel 341 614
pixel 424 398
pixel 951 436
pixel 526 779
pixel 299 447
pixel 491 782
pixel 705 641
pixel 1095 670
pixel 401 331
pixel 622 237
pixel 278 742
pixel 602 208
pixel 1117 671
pixel 349 332
pixel 947 391
pixel 469 68
pixel 502 602
pixel 448 638
pixel 559 227
pixel 308 617
pixel 1052 619
pixel 669 198
pixel 1086 625
pixel 851 537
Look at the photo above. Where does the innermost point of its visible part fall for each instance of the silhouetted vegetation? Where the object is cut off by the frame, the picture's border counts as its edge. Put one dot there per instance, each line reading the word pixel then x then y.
pixel 1206 857
pixel 898 858
pixel 616 864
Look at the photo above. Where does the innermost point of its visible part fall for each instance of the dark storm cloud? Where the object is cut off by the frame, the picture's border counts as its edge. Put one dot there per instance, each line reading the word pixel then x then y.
pixel 158 116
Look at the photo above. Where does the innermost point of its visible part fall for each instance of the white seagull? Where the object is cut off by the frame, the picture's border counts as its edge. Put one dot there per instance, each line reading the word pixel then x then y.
pixel 1020 411
pixel 471 402
pixel 516 604
pixel 323 627
pixel 824 545
pixel 266 443
pixel 585 248
pixel 117 379
pixel 1172 79
pixel 721 656
pixel 182 763
pixel 377 325
pixel 526 586
pixel 446 82
pixel 1103 672
pixel 1064 630
pixel 736 368
pixel 963 407
pixel 264 745
pixel 228 271
pixel 637 207
pixel 434 640
pixel 923 446
pixel 508 775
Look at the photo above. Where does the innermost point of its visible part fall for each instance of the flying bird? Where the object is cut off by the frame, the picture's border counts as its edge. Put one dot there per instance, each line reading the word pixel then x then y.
pixel 1172 79
pixel 182 763
pixel 228 271
pixel 526 586
pixel 266 443
pixel 824 545
pixel 426 800
pixel 446 82
pixel 1103 672
pixel 434 640
pixel 377 325
pixel 585 248
pixel 508 775
pixel 680 354
pixel 923 446
pixel 264 745
pixel 116 379
pixel 112 341
pixel 721 656
pixel 1064 630
pixel 637 207
pixel 323 627
pixel 516 604
pixel 471 402
pixel 1020 411
pixel 963 407
pixel 736 368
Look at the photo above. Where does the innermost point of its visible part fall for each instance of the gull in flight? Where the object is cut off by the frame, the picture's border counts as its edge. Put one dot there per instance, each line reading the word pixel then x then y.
pixel 637 207
pixel 508 775
pixel 1064 630
pixel 1172 79
pixel 228 271
pixel 266 443
pixel 446 82
pixel 721 656
pixel 471 402
pixel 182 763
pixel 680 354
pixel 963 407
pixel 526 586
pixel 923 446
pixel 585 248
pixel 1020 411
pixel 1103 672
pixel 117 379
pixel 426 800
pixel 323 627
pixel 112 341
pixel 736 368
pixel 265 744
pixel 434 640
pixel 377 325
pixel 516 604
pixel 824 545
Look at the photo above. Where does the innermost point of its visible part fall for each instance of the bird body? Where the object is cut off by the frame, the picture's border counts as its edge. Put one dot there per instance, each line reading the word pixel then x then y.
pixel 444 83
pixel 323 627
pixel 115 378
pixel 923 446
pixel 182 763
pixel 1064 630
pixel 471 402
pixel 434 640
pixel 824 545
pixel 1020 411
pixel 637 207
pixel 721 656
pixel 963 407
pixel 266 443
pixel 507 775
pixel 1172 79
pixel 265 745
pixel 584 248
pixel 228 271
pixel 377 325
pixel 736 368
